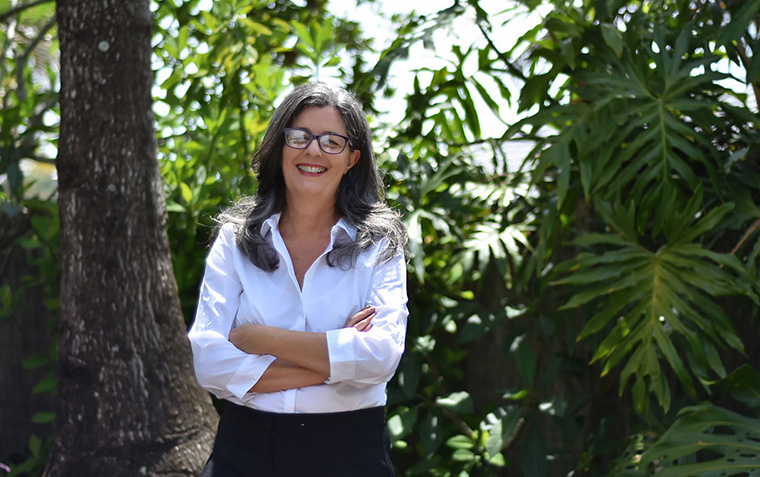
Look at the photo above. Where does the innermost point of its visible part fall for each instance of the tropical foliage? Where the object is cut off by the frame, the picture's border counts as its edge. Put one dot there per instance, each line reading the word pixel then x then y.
pixel 589 308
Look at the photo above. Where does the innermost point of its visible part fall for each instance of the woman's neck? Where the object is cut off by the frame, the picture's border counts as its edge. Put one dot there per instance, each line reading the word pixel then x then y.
pixel 303 220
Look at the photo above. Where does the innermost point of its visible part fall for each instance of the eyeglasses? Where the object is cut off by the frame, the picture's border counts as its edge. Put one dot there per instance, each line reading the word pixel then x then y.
pixel 330 143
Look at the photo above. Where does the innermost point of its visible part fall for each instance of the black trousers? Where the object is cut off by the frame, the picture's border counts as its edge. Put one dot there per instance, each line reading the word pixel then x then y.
pixel 263 444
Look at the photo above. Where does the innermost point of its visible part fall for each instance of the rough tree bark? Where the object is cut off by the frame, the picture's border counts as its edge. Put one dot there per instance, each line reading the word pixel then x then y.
pixel 128 401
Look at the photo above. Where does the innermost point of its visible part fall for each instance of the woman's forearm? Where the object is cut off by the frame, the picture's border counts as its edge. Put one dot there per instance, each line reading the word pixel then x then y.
pixel 303 348
pixel 282 375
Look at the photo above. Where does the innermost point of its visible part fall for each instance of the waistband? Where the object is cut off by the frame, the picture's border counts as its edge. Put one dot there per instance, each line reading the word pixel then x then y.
pixel 337 421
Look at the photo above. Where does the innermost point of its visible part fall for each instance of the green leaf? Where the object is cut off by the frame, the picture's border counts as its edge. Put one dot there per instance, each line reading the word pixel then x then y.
pixel 304 34
pixel 403 423
pixel 6 297
pixel 210 20
pixel 497 460
pixel 463 455
pixel 568 52
pixel 35 445
pixel 460 442
pixel 182 38
pixel 753 71
pixel 613 38
pixel 414 231
pixel 174 207
pixel 52 304
pixel 495 440
pixel 409 372
pixel 43 418
pixel 459 402
pixel 612 309
pixel 323 34
pixel 739 22
pixel 533 91
pixel 655 297
pixel 669 351
pixel 510 425
pixel 527 363
pixel 42 226
pixel 187 193
pixel 431 433
pixel 35 362
pixel 395 427
pixel 744 385
pixel 705 224
pixel 728 441
pixel 256 27
pixel 599 238
pixel 592 275
pixel 334 61
pixel 45 385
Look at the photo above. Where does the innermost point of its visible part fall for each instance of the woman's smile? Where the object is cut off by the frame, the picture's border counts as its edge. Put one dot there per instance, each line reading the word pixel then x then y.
pixel 310 169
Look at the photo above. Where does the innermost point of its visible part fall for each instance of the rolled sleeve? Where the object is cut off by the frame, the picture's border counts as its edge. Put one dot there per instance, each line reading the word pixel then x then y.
pixel 220 367
pixel 371 357
pixel 247 374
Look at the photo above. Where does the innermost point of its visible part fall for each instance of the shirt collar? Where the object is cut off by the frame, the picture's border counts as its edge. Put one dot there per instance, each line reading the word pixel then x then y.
pixel 270 224
pixel 346 226
pixel 342 227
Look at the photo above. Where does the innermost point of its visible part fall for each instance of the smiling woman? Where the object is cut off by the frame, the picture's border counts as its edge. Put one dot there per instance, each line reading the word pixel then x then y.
pixel 301 353
pixel 306 160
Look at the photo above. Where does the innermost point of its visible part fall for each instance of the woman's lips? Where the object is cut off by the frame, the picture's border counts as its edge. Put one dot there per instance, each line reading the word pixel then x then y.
pixel 311 169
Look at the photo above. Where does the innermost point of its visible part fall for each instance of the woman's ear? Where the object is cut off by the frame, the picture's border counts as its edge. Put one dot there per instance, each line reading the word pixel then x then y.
pixel 353 158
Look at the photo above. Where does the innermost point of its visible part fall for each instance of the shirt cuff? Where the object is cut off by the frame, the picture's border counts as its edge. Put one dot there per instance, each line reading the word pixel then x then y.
pixel 340 349
pixel 248 374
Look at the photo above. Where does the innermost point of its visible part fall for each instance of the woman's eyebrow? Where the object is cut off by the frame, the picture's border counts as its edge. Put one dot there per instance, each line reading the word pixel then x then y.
pixel 323 133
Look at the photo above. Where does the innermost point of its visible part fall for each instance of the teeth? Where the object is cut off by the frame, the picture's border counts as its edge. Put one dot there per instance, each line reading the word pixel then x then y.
pixel 312 169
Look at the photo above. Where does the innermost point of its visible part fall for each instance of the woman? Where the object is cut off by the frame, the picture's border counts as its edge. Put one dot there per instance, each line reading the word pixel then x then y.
pixel 302 314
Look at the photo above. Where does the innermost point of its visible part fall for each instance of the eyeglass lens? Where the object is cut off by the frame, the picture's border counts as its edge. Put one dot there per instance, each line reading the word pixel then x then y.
pixel 329 143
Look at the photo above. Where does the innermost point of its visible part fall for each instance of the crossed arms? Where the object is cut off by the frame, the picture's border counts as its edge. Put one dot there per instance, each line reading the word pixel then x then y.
pixel 302 356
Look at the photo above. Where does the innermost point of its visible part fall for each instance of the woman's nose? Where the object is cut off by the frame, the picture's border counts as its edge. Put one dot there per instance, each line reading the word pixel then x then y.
pixel 313 147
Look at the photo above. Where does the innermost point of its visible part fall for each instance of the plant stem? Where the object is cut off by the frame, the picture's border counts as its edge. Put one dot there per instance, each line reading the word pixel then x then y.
pixel 746 235
pixel 20 8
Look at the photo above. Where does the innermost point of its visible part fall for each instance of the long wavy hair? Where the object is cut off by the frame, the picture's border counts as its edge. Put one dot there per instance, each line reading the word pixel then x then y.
pixel 359 200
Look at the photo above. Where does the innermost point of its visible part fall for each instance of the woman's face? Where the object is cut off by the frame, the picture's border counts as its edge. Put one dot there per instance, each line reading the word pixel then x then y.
pixel 311 173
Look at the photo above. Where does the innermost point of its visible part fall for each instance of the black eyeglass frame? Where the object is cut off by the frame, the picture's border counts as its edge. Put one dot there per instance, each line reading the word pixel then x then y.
pixel 317 137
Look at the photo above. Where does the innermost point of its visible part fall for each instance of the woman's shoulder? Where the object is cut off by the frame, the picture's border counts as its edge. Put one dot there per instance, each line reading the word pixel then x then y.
pixel 224 235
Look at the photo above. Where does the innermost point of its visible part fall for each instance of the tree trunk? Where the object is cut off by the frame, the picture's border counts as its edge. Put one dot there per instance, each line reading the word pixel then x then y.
pixel 128 402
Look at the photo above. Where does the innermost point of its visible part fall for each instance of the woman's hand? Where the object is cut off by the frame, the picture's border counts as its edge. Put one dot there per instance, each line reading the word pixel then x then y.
pixel 362 320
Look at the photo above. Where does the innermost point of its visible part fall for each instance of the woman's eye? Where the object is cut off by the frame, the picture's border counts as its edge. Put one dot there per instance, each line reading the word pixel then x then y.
pixel 332 141
pixel 298 138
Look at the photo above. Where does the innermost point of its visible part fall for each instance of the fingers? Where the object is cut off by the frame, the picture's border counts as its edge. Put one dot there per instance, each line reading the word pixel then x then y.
pixel 365 324
pixel 362 314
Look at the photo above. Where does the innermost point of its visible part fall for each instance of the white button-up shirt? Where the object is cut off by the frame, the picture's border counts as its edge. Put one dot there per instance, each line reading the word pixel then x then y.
pixel 236 292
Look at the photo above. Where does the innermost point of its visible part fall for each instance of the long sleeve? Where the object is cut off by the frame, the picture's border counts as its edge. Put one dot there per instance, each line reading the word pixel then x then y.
pixel 370 358
pixel 220 367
